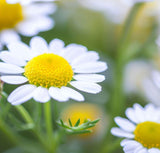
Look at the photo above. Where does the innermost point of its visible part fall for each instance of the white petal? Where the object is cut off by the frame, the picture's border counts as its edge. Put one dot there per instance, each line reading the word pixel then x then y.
pixel 141 150
pixel 154 150
pixel 86 87
pixel 39 9
pixel 41 95
pixel 125 124
pixel 9 36
pixel 130 113
pixel 11 58
pixel 72 51
pixel 120 133
pixel 32 26
pixel 14 79
pixel 68 92
pixel 128 141
pixel 12 1
pixel 139 113
pixel 39 45
pixel 91 67
pixel 55 46
pixel 130 145
pixel 20 49
pixel 57 94
pixel 156 78
pixel 85 58
pixel 89 77
pixel 10 69
pixel 21 94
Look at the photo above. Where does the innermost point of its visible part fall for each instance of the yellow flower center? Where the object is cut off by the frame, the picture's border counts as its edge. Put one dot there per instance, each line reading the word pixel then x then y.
pixel 148 134
pixel 10 14
pixel 48 70
pixel 83 112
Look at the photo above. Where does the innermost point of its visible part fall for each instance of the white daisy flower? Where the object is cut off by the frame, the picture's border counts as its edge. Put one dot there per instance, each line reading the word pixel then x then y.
pixel 50 71
pixel 24 19
pixel 141 130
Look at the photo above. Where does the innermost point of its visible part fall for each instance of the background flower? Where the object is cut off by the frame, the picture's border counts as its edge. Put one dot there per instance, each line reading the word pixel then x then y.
pixel 25 19
pixel 141 130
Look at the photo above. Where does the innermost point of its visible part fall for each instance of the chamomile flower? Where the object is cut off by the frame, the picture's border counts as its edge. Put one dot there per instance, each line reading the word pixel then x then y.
pixel 141 130
pixel 50 71
pixel 25 19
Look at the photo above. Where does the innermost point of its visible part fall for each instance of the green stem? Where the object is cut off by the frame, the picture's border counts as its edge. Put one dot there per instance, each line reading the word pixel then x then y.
pixel 118 100
pixel 29 120
pixel 48 118
pixel 127 29
pixel 118 97
pixel 24 114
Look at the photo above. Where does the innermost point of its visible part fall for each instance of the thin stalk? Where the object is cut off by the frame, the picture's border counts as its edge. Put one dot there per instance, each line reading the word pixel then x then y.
pixel 118 100
pixel 48 119
pixel 26 116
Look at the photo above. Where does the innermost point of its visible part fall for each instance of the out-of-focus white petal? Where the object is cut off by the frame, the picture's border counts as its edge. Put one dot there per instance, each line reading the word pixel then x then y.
pixel 9 36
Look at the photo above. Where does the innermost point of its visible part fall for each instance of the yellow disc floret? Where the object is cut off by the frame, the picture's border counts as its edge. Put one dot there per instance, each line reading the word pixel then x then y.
pixel 48 70
pixel 10 14
pixel 148 134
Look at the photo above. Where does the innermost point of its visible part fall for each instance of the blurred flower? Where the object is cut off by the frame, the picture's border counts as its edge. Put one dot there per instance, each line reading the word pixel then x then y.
pixel 27 1
pixel 141 130
pixel 49 70
pixel 143 81
pixel 141 70
pixel 26 19
pixel 115 10
pixel 85 111
pixel 140 1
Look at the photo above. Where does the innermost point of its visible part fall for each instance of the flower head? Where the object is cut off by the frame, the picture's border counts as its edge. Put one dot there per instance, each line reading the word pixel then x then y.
pixel 141 131
pixel 26 19
pixel 50 71
pixel 84 111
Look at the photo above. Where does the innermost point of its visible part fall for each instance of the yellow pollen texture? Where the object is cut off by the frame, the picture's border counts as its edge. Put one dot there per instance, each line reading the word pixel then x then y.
pixel 48 70
pixel 148 134
pixel 10 14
